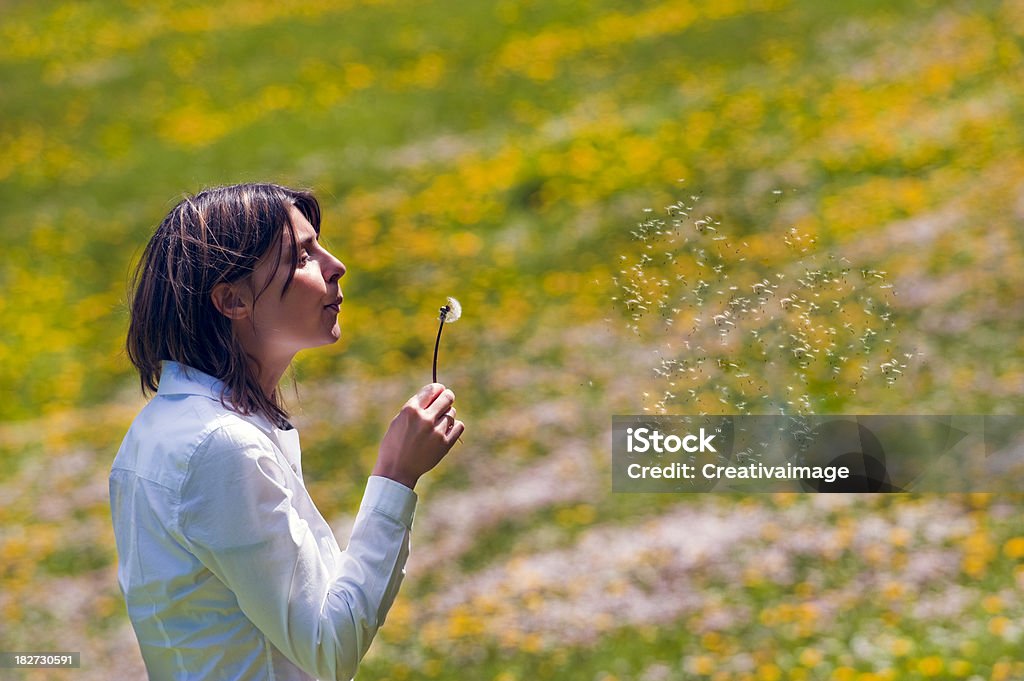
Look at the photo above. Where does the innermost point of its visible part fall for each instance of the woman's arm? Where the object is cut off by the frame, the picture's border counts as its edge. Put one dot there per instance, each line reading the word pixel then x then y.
pixel 240 517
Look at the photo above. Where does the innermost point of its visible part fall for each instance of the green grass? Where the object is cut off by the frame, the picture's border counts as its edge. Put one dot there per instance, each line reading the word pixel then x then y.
pixel 502 152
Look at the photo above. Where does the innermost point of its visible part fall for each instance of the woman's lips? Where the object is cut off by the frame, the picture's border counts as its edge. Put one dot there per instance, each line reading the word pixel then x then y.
pixel 334 307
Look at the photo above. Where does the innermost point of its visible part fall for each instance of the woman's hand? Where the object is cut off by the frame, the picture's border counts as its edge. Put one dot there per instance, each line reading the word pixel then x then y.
pixel 419 436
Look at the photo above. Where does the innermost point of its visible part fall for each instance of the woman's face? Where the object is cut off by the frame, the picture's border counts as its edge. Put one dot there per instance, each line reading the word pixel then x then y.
pixel 306 315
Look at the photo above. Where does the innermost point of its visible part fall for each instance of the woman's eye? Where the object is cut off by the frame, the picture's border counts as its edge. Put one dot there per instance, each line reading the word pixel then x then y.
pixel 304 259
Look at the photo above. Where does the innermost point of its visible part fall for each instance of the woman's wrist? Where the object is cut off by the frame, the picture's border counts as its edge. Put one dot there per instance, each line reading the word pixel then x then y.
pixel 390 473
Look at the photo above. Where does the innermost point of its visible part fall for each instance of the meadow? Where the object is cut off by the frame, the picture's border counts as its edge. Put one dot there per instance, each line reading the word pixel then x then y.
pixel 505 153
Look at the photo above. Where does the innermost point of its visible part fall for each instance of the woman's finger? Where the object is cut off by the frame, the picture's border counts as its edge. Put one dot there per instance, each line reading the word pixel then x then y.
pixel 445 422
pixel 426 395
pixel 455 433
pixel 441 404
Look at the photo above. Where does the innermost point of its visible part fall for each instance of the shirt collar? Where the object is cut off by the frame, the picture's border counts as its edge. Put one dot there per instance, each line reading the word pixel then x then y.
pixel 180 379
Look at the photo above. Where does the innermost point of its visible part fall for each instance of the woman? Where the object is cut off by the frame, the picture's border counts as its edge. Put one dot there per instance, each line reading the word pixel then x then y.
pixel 228 569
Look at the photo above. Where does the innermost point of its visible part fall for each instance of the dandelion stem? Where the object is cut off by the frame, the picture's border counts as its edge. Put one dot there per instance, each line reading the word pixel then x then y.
pixel 437 343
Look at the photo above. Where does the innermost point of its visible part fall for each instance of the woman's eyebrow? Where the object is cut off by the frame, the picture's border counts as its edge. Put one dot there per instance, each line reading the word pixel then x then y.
pixel 287 246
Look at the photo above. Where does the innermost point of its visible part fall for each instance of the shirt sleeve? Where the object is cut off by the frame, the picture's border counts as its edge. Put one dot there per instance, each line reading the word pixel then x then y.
pixel 239 517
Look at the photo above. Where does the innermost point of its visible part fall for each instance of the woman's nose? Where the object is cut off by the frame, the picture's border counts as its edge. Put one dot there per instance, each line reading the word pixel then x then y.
pixel 336 268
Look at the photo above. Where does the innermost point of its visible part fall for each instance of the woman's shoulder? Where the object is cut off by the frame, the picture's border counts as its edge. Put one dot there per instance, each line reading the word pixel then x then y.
pixel 171 431
pixel 220 426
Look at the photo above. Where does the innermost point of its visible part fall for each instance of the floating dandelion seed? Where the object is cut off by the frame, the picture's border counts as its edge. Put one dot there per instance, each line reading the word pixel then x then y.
pixel 450 312
pixel 702 282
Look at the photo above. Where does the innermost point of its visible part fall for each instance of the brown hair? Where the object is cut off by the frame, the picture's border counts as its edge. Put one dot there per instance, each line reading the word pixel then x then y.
pixel 218 235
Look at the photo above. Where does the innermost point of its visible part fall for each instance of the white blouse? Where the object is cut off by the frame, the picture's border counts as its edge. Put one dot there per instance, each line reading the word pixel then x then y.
pixel 228 569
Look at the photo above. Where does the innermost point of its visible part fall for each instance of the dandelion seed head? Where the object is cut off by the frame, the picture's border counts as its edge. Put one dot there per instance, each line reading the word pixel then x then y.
pixel 451 311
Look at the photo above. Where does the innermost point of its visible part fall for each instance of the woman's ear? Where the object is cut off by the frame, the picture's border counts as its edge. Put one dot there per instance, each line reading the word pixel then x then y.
pixel 229 302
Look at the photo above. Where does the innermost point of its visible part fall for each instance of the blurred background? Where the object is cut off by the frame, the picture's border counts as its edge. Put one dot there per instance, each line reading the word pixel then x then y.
pixel 502 152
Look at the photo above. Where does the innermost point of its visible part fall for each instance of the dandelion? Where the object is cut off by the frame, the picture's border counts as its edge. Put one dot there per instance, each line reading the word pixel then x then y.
pixel 450 312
